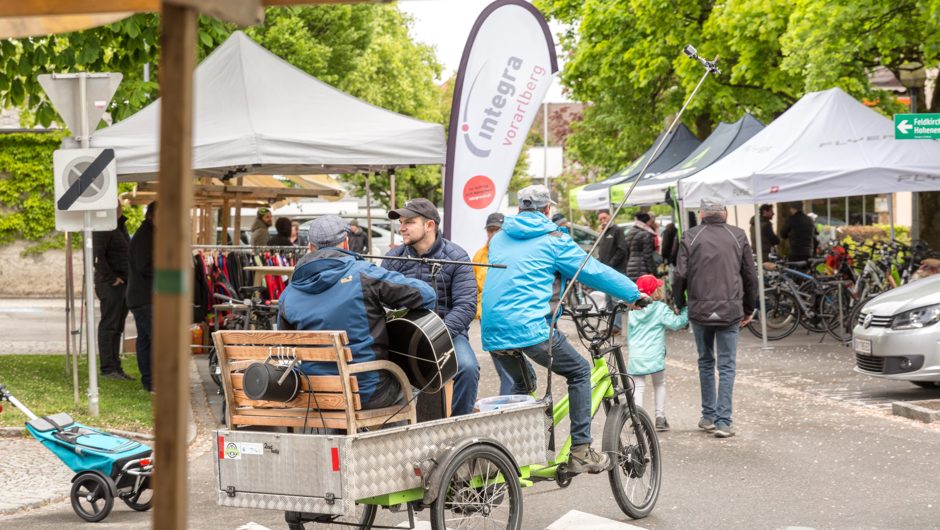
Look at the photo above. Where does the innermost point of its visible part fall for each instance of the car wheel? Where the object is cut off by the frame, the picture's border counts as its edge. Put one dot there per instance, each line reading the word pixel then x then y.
pixel 927 384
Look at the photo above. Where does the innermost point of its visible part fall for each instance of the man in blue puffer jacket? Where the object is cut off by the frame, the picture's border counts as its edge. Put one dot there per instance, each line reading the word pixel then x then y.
pixel 455 286
pixel 332 289
pixel 516 309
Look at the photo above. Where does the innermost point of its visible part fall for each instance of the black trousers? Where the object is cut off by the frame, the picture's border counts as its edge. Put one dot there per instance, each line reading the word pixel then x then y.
pixel 111 326
pixel 143 318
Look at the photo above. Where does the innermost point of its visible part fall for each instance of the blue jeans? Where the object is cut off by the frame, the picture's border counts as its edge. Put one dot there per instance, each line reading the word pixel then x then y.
pixel 716 407
pixel 468 377
pixel 143 319
pixel 566 362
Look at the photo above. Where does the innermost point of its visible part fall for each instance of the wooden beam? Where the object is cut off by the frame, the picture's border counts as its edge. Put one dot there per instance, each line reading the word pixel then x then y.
pixel 240 12
pixel 25 8
pixel 237 225
pixel 172 298
pixel 226 221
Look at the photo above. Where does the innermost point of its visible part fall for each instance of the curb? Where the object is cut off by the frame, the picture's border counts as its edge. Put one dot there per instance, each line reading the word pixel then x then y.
pixel 18 432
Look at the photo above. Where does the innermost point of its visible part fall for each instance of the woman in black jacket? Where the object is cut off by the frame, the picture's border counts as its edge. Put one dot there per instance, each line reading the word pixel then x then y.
pixel 641 246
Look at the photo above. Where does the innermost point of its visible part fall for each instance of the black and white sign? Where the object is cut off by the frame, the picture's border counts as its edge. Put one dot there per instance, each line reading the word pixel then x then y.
pixel 85 181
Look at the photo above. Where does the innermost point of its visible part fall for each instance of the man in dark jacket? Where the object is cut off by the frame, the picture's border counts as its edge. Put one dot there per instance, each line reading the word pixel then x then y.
pixel 140 292
pixel 768 238
pixel 716 266
pixel 455 286
pixel 612 250
pixel 670 245
pixel 358 240
pixel 111 267
pixel 801 232
pixel 331 289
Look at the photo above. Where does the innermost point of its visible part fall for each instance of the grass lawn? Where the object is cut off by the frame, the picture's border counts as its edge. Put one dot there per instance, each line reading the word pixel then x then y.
pixel 40 383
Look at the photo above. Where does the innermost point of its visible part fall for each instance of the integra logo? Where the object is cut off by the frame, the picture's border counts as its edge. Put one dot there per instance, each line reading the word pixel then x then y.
pixel 478 142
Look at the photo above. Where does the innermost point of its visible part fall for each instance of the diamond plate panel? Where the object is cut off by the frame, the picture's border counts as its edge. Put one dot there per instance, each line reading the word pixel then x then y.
pixel 286 503
pixel 381 462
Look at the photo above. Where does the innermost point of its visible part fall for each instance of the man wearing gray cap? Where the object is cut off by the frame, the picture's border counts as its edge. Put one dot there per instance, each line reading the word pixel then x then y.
pixel 455 286
pixel 716 266
pixel 332 289
pixel 516 309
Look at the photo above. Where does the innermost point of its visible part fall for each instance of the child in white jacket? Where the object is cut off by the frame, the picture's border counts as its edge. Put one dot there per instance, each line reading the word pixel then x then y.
pixel 646 344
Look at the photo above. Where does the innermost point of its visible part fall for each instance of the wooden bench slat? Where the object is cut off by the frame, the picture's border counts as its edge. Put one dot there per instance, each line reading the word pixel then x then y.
pixel 323 401
pixel 260 353
pixel 320 383
pixel 313 422
pixel 296 338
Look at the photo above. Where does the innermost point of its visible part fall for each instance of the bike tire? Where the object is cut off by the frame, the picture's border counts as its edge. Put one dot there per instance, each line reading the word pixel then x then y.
pixel 460 497
pixel 814 323
pixel 361 521
pixel 783 315
pixel 632 471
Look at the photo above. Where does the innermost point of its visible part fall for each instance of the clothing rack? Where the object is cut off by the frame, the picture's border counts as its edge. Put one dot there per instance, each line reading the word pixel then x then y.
pixel 248 249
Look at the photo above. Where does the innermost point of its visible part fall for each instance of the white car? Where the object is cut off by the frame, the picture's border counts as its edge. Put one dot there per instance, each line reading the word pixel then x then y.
pixel 898 334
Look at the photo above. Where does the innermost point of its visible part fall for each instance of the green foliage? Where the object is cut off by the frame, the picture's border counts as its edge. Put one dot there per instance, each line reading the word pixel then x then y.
pixel 26 190
pixel 625 60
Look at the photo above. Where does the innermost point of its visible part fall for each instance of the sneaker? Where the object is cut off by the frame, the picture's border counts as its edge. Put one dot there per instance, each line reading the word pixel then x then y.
pixel 706 425
pixel 116 376
pixel 661 424
pixel 723 431
pixel 584 459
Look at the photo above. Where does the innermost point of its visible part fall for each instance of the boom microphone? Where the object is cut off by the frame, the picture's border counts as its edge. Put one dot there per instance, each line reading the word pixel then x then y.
pixel 693 54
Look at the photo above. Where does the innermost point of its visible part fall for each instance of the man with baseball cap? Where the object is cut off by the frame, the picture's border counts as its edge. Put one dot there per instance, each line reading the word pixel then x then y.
pixel 455 286
pixel 516 309
pixel 332 289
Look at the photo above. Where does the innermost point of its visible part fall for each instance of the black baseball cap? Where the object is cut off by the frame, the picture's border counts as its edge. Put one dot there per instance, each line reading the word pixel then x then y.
pixel 416 207
pixel 494 220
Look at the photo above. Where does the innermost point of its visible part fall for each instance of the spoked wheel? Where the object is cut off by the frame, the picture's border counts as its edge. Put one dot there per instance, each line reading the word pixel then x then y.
pixel 812 298
pixel 141 499
pixel 362 520
pixel 783 315
pixel 838 319
pixel 479 489
pixel 214 371
pixel 91 497
pixel 637 470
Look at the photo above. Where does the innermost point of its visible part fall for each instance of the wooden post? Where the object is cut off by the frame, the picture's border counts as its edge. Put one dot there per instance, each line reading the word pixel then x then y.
pixel 172 300
pixel 226 221
pixel 237 225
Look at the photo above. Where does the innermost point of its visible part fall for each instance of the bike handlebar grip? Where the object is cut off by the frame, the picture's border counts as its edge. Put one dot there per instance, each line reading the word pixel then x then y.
pixel 642 302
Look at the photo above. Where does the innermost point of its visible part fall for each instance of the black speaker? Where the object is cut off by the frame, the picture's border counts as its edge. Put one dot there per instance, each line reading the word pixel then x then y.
pixel 261 383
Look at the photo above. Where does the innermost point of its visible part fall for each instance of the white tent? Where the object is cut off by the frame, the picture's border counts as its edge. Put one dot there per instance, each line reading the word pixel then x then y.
pixel 256 114
pixel 826 145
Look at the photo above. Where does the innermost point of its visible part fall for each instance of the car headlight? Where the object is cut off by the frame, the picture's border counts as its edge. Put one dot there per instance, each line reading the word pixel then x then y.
pixel 917 318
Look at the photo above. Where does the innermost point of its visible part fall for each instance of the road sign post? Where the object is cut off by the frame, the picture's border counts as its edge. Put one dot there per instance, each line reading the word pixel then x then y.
pixel 917 126
pixel 81 99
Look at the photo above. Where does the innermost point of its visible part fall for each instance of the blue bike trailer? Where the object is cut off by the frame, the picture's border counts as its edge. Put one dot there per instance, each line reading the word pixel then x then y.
pixel 83 448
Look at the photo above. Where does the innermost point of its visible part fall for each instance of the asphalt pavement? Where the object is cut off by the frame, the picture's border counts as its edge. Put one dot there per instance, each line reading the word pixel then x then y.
pixel 816 447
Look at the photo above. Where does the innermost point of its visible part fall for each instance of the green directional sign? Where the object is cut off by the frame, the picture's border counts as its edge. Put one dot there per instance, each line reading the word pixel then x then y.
pixel 917 126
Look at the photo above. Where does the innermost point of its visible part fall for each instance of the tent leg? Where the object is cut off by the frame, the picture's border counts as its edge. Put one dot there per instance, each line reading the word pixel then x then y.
pixel 369 214
pixel 891 215
pixel 760 278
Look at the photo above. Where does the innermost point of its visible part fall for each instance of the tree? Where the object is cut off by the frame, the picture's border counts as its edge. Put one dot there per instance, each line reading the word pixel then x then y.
pixel 625 61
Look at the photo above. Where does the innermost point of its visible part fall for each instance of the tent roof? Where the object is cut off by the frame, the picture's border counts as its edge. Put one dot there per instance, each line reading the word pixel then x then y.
pixel 254 113
pixel 826 145
pixel 723 140
pixel 678 146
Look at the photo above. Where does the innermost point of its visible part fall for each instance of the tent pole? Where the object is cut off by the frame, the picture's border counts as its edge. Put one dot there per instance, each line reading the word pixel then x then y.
pixel 369 213
pixel 391 206
pixel 829 218
pixel 760 278
pixel 891 215
pixel 847 211
pixel 864 212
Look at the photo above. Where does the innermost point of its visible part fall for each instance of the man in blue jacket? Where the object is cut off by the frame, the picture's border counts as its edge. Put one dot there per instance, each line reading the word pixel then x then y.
pixel 455 286
pixel 332 289
pixel 516 309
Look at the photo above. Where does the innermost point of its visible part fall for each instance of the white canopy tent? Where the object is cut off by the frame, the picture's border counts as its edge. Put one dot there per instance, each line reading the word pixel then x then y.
pixel 826 145
pixel 254 113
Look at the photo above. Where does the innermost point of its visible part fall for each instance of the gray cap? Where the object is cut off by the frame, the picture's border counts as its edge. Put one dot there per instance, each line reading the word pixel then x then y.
pixel 327 231
pixel 712 205
pixel 534 197
pixel 494 220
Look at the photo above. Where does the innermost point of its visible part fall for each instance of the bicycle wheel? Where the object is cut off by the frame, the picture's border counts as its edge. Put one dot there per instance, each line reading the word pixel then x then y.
pixel 636 475
pixel 363 520
pixel 479 489
pixel 214 372
pixel 812 321
pixel 836 314
pixel 783 315
pixel 140 499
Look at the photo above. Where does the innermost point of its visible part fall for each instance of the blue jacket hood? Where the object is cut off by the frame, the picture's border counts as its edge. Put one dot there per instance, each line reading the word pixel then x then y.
pixel 322 270
pixel 528 225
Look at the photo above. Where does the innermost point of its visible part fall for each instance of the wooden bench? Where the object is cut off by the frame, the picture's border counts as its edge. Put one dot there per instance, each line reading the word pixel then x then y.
pixel 333 400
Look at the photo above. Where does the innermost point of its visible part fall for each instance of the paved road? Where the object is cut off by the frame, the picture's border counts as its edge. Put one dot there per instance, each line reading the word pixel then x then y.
pixel 37 325
pixel 816 447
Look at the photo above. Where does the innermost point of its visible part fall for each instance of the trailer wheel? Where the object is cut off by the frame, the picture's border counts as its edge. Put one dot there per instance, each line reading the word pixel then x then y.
pixel 141 499
pixel 91 497
pixel 479 488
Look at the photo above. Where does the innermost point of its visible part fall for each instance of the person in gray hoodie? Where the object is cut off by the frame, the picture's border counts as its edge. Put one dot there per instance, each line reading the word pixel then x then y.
pixel 716 266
